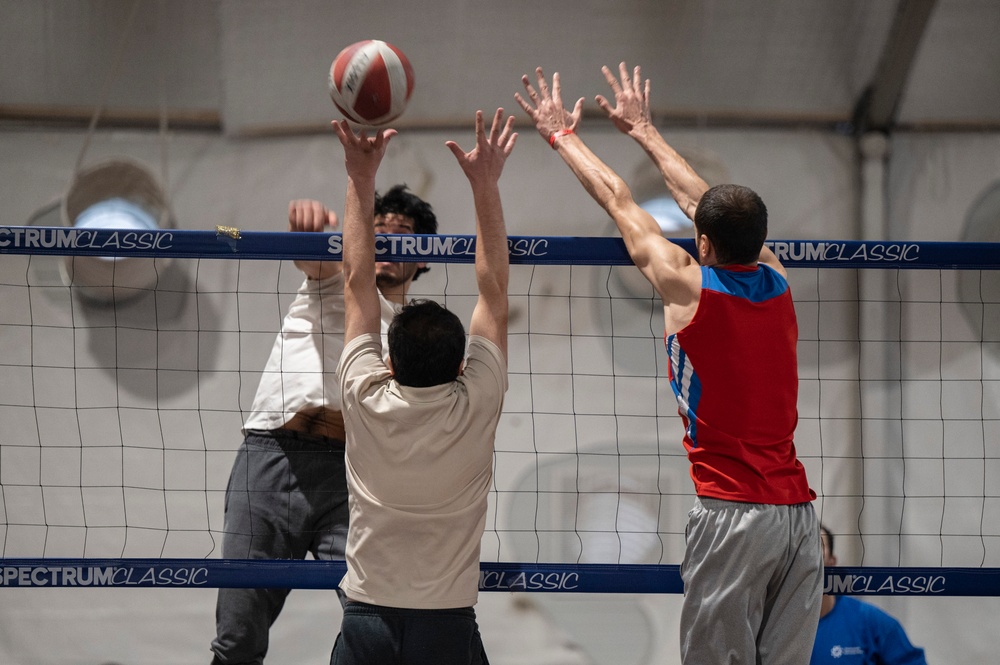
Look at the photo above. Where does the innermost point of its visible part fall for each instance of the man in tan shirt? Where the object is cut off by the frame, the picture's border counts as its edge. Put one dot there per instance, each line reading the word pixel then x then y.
pixel 420 429
pixel 287 492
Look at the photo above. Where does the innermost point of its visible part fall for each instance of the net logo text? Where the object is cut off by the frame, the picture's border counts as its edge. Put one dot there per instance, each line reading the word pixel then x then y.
pixel 41 576
pixel 28 238
pixel 515 581
pixel 861 584
pixel 434 245
pixel 840 251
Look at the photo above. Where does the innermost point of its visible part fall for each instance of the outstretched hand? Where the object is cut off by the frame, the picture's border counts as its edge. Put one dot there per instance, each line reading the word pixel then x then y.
pixel 546 107
pixel 485 162
pixel 362 153
pixel 631 110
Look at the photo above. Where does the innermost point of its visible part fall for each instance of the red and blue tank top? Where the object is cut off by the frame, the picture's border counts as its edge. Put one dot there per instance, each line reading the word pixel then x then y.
pixel 734 372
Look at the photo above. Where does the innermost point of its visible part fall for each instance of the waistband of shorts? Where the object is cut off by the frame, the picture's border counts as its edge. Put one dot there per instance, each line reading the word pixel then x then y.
pixel 366 609
pixel 287 439
pixel 714 503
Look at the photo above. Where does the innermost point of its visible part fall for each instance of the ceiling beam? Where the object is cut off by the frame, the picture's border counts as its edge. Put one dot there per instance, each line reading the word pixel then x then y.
pixel 877 108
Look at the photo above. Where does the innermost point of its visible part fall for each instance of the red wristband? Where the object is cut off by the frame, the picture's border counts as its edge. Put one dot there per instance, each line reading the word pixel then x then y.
pixel 558 133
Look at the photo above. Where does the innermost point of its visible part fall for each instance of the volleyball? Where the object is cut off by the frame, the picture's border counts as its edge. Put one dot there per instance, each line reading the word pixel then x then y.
pixel 371 82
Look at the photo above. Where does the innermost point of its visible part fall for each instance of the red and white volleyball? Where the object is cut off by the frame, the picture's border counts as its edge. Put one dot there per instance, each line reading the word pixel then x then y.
pixel 371 82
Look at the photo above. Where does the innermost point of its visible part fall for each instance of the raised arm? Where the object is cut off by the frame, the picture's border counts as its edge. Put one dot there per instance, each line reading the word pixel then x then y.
pixel 630 114
pixel 362 156
pixel 660 260
pixel 312 216
pixel 483 166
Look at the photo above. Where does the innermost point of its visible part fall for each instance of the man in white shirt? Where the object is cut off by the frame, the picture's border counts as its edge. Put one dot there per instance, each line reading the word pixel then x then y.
pixel 287 493
pixel 420 429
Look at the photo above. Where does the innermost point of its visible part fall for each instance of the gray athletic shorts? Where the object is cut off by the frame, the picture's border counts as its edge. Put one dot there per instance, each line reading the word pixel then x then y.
pixel 753 580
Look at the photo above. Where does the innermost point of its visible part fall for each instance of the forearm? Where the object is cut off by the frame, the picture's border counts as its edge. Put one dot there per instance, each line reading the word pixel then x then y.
pixel 359 230
pixel 491 313
pixel 643 239
pixel 492 254
pixel 686 186
pixel 601 182
pixel 360 294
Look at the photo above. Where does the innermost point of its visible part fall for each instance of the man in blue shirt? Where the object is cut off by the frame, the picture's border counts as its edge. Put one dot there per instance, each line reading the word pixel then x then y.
pixel 852 632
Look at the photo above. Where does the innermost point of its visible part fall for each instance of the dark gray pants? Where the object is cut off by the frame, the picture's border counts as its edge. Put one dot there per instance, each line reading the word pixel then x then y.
pixel 376 635
pixel 287 496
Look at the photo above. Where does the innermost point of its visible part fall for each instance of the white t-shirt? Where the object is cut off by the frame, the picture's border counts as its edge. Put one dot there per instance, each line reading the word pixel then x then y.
pixel 419 468
pixel 300 373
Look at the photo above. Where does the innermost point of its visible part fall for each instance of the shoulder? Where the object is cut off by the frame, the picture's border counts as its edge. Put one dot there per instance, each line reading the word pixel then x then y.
pixel 363 354
pixel 479 345
pixel 873 612
pixel 872 616
pixel 484 358
pixel 484 349
pixel 851 604
pixel 677 283
pixel 773 273
pixel 481 349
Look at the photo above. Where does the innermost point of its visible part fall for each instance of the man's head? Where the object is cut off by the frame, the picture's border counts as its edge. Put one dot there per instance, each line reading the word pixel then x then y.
pixel 426 344
pixel 401 211
pixel 734 220
pixel 829 559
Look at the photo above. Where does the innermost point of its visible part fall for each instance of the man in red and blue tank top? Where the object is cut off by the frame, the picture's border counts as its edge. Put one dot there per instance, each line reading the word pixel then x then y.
pixel 734 372
pixel 753 567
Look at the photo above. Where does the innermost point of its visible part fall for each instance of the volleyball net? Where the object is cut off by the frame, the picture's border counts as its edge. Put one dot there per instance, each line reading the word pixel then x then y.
pixel 127 381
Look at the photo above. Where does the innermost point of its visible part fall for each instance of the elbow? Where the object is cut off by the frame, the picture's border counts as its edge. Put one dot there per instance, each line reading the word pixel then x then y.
pixel 355 279
pixel 619 201
pixel 612 193
pixel 621 195
pixel 494 289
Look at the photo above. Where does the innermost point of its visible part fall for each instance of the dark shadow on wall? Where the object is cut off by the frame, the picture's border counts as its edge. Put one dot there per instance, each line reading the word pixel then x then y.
pixel 979 290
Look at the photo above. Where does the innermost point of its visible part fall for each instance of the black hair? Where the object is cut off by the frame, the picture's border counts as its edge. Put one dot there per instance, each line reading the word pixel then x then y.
pixel 426 344
pixel 400 200
pixel 734 219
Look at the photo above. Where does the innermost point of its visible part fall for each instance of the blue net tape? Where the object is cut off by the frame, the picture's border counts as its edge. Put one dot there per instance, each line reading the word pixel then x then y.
pixel 542 578
pixel 539 250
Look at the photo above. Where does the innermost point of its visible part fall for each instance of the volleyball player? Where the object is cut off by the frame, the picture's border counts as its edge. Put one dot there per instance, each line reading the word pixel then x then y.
pixel 287 492
pixel 752 569
pixel 853 632
pixel 420 429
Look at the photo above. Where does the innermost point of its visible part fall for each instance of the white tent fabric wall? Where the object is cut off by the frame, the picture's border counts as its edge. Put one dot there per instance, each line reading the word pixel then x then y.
pixel 807 180
pixel 256 67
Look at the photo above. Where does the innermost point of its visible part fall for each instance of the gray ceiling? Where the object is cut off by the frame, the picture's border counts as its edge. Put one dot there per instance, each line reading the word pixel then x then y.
pixel 258 67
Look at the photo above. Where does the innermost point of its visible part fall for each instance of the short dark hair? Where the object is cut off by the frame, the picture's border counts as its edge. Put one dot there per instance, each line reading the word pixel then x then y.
pixel 829 536
pixel 426 344
pixel 400 200
pixel 734 219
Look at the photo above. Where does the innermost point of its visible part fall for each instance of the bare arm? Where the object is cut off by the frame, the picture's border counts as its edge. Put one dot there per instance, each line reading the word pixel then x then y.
pixel 362 310
pixel 312 216
pixel 660 260
pixel 631 116
pixel 483 166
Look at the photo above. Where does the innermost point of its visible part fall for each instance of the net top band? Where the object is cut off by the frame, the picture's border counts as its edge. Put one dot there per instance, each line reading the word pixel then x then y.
pixel 230 243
